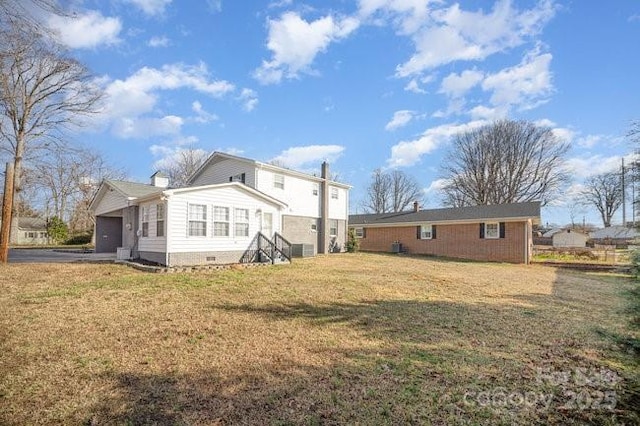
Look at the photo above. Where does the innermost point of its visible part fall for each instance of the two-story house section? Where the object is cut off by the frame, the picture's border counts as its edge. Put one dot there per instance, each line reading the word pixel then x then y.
pixel 317 208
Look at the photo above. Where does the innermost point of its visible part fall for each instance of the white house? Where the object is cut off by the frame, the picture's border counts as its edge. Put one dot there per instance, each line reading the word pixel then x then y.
pixel 317 209
pixel 233 210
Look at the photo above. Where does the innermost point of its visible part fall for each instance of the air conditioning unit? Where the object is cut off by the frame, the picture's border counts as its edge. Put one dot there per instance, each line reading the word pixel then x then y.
pixel 123 253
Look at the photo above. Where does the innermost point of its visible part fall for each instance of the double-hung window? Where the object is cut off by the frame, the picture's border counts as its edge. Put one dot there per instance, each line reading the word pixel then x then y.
pixel 426 232
pixel 334 193
pixel 278 181
pixel 492 230
pixel 197 220
pixel 242 222
pixel 160 220
pixel 220 221
pixel 145 221
pixel 333 227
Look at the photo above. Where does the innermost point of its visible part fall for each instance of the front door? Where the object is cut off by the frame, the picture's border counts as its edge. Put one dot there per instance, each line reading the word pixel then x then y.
pixel 267 224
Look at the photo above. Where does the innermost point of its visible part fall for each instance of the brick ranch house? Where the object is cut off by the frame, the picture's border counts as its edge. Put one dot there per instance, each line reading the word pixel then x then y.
pixel 498 233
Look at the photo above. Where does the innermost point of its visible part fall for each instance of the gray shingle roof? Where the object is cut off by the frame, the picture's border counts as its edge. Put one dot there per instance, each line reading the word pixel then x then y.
pixel 498 211
pixel 615 232
pixel 134 189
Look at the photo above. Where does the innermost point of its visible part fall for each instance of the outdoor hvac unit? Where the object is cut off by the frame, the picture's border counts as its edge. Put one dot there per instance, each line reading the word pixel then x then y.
pixel 396 247
pixel 302 250
pixel 123 253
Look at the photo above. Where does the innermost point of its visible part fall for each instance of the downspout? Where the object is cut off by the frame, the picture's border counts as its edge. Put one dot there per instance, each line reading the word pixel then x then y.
pixel 167 229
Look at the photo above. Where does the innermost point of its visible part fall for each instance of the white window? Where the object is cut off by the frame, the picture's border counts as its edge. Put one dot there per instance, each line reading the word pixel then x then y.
pixel 145 221
pixel 220 221
pixel 278 181
pixel 242 223
pixel 359 232
pixel 315 189
pixel 492 230
pixel 197 220
pixel 160 220
pixel 334 193
pixel 333 227
pixel 426 232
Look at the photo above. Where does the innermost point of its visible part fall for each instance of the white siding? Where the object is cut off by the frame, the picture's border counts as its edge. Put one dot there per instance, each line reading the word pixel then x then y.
pixel 110 202
pixel 151 243
pixel 297 193
pixel 221 170
pixel 339 208
pixel 225 197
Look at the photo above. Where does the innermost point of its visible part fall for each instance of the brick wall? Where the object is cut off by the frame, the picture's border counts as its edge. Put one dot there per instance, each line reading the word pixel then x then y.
pixel 457 241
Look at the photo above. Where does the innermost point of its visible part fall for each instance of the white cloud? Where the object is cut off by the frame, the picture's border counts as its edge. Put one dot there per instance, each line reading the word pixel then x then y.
pixel 408 153
pixel 294 44
pixel 151 7
pixel 436 186
pixel 159 41
pixel 147 127
pixel 457 85
pixel 482 112
pixel 407 15
pixel 451 34
pixel 136 96
pixel 249 99
pixel 400 118
pixel 584 167
pixel 202 116
pixel 414 86
pixel 299 156
pixel 86 31
pixel 526 85
pixel 215 6
pixel 589 141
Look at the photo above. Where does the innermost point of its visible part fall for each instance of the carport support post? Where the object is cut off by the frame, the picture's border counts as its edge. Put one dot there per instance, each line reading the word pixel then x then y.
pixel 7 204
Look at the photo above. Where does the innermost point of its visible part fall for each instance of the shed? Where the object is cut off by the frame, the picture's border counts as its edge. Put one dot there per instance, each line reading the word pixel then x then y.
pixel 569 238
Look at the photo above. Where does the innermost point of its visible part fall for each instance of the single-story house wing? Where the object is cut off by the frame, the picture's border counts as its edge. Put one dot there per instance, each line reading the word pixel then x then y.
pixel 199 225
pixel 501 233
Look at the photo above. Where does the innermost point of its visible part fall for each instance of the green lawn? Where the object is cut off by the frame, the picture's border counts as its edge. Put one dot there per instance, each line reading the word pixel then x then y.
pixel 341 339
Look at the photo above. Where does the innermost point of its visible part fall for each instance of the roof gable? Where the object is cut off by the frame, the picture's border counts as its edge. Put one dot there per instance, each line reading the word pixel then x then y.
pixel 235 185
pixel 126 190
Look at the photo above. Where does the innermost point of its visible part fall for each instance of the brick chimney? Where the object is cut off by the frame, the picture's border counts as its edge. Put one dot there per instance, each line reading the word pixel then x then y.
pixel 416 206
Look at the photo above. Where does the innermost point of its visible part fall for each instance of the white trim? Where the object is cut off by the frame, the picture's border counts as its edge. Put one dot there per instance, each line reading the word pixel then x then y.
pixel 441 222
pixel 423 231
pixel 486 234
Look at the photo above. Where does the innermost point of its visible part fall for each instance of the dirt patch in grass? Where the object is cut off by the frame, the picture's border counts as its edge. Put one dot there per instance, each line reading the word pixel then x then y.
pixel 341 339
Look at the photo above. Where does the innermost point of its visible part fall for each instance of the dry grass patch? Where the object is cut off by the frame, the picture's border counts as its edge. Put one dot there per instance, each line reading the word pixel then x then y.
pixel 368 339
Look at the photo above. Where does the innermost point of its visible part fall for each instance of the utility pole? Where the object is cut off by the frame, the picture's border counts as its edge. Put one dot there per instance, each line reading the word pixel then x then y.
pixel 624 204
pixel 7 204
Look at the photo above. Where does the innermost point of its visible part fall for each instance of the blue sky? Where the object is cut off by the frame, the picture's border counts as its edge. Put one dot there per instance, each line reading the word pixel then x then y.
pixel 363 84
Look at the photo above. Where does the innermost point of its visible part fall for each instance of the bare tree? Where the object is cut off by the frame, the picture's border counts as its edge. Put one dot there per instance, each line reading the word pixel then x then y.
pixel 43 94
pixel 392 191
pixel 604 192
pixel 505 162
pixel 182 164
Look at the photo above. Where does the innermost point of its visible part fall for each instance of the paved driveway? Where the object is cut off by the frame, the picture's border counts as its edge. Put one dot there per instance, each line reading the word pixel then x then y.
pixel 55 256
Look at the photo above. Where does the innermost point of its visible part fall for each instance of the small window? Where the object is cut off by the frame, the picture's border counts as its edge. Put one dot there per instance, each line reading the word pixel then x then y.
pixel 220 221
pixel 333 227
pixel 32 234
pixel 359 232
pixel 145 221
pixel 315 189
pixel 278 181
pixel 160 220
pixel 314 227
pixel 240 177
pixel 242 223
pixel 334 193
pixel 492 230
pixel 197 220
pixel 426 232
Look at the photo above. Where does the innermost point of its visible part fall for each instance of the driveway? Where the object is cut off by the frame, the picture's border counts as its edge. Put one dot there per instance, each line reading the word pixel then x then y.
pixel 17 255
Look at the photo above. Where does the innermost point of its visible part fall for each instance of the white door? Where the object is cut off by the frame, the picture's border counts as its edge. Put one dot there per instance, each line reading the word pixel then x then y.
pixel 267 224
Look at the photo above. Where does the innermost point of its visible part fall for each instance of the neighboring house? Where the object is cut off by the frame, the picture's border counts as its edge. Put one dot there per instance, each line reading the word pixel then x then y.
pixel 551 232
pixel 569 238
pixel 615 233
pixel 31 230
pixel 317 208
pixel 218 217
pixel 501 233
pixel 618 235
